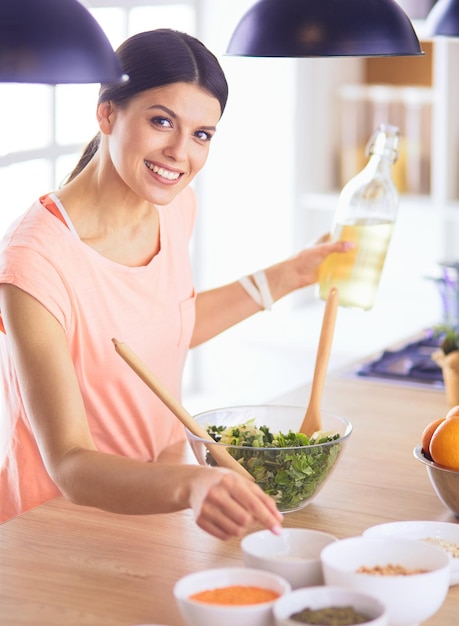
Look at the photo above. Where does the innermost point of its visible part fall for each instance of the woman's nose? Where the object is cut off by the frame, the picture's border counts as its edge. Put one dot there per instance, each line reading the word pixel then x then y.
pixel 177 148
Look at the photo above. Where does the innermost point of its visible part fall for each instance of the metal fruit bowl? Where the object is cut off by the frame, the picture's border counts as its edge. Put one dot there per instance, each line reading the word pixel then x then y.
pixel 444 481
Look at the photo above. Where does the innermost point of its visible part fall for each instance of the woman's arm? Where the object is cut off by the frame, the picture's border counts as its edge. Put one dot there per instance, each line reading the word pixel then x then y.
pixel 224 503
pixel 223 307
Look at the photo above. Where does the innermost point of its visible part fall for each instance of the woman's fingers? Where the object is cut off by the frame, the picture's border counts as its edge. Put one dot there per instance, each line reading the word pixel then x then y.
pixel 232 504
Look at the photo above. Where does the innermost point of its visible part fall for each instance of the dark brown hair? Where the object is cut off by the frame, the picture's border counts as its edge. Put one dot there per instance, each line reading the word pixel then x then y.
pixel 153 59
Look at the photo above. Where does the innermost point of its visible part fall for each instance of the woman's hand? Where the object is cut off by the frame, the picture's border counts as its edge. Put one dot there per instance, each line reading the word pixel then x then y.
pixel 302 270
pixel 309 260
pixel 226 504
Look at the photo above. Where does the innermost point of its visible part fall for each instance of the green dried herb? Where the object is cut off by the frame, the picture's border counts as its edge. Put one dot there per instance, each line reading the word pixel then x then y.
pixel 331 616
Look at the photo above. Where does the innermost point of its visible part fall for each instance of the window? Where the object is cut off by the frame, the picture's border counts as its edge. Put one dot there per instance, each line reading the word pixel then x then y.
pixel 244 192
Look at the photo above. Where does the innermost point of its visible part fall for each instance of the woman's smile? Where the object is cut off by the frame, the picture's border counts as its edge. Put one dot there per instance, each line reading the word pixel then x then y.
pixel 162 172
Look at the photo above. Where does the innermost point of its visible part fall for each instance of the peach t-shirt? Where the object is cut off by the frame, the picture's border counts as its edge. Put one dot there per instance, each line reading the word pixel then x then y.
pixel 151 308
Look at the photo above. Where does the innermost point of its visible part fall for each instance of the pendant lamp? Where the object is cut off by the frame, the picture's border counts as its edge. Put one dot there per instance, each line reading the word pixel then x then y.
pixel 324 28
pixel 53 41
pixel 443 19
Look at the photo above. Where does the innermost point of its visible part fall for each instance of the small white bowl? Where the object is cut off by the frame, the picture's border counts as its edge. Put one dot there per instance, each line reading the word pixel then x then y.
pixel 422 530
pixel 409 599
pixel 202 614
pixel 323 597
pixel 294 554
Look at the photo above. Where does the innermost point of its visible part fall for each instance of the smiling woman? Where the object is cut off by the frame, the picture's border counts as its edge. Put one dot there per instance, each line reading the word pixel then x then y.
pixel 105 234
pixel 106 255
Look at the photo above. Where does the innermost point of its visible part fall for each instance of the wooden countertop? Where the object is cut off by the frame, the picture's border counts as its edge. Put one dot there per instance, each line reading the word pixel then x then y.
pixel 64 564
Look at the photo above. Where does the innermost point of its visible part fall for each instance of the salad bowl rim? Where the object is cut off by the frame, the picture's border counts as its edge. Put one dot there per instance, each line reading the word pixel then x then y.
pixel 340 439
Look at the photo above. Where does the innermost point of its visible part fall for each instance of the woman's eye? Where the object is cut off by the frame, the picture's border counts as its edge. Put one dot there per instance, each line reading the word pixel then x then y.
pixel 164 122
pixel 203 135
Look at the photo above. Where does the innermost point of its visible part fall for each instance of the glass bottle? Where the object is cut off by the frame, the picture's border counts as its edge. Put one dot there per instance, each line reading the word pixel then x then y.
pixel 366 212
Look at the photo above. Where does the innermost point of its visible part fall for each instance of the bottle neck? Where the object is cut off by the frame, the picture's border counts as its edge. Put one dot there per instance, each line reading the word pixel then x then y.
pixel 385 142
pixel 381 163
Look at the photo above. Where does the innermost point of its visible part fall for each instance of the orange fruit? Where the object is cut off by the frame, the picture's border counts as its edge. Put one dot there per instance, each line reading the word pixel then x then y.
pixel 453 412
pixel 428 432
pixel 444 445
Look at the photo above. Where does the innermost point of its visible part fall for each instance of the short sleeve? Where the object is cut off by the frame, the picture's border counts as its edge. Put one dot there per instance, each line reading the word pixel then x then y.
pixel 30 271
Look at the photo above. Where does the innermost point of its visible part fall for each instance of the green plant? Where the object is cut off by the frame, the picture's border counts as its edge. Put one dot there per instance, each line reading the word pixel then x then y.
pixel 449 336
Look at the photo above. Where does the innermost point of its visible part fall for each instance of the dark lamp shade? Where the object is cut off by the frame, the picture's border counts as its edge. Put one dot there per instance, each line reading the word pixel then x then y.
pixel 53 41
pixel 443 19
pixel 324 28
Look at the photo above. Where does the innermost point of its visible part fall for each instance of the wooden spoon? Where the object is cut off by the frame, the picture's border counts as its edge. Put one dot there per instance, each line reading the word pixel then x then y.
pixel 312 420
pixel 220 454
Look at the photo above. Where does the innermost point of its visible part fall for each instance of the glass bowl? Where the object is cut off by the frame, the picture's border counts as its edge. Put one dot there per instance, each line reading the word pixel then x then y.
pixel 444 481
pixel 293 475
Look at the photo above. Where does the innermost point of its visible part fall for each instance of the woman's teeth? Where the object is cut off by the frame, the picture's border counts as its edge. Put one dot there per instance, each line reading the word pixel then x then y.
pixel 162 172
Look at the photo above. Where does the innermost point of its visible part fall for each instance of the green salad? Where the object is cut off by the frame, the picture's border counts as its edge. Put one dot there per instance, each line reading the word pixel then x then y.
pixel 290 476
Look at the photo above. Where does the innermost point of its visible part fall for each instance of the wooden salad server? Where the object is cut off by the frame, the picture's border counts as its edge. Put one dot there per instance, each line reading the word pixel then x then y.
pixel 312 420
pixel 219 453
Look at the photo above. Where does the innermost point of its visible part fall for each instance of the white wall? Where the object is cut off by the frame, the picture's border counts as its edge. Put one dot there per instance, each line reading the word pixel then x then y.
pixel 274 152
pixel 246 191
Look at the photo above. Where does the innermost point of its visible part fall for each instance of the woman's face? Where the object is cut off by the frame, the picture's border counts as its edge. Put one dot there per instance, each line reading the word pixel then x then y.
pixel 161 140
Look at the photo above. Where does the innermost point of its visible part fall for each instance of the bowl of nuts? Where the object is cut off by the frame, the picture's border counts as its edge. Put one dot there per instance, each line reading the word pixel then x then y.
pixel 411 578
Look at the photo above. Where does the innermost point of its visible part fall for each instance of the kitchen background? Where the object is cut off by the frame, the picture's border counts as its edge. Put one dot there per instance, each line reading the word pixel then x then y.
pixel 292 135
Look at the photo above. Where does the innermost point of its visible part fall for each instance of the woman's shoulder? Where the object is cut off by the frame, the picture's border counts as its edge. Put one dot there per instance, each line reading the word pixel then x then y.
pixel 30 227
pixel 34 238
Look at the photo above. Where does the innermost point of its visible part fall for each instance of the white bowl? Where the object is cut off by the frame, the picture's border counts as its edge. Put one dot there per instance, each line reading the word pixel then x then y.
pixel 423 530
pixel 323 597
pixel 294 555
pixel 201 614
pixel 409 599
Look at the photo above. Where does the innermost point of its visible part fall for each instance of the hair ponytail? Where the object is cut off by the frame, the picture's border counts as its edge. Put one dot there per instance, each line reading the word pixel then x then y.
pixel 87 155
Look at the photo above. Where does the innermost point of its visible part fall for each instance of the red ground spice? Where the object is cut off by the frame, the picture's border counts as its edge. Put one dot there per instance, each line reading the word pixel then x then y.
pixel 235 595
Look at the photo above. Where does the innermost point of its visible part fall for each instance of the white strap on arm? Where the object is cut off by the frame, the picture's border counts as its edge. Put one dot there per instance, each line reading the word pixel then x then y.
pixel 251 290
pixel 263 287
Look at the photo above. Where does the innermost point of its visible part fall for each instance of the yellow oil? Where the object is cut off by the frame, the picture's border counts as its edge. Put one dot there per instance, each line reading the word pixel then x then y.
pixel 356 273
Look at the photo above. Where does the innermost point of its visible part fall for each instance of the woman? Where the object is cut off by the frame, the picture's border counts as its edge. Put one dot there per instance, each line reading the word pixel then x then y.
pixel 106 256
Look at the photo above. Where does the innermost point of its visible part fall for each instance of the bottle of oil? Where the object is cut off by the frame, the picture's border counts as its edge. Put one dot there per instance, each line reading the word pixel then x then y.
pixel 367 209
